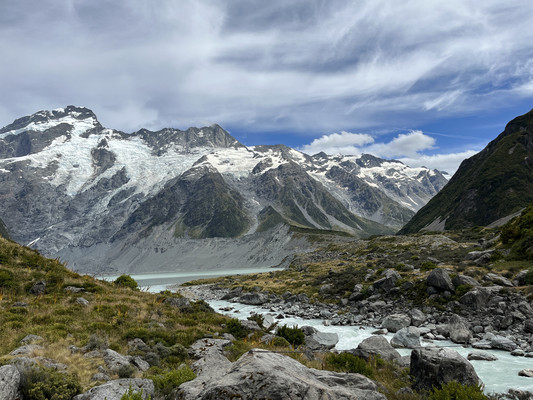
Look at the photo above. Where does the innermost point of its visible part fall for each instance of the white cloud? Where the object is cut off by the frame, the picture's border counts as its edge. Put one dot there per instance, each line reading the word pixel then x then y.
pixel 408 148
pixel 344 143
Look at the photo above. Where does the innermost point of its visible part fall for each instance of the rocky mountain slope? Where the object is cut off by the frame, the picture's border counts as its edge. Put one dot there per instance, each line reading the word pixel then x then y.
pixel 105 200
pixel 490 185
pixel 3 230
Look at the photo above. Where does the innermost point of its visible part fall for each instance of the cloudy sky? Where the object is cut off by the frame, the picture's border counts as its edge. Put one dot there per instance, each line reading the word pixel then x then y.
pixel 426 82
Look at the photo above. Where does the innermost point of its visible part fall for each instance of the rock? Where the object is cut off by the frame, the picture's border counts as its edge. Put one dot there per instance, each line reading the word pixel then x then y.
pixel 26 350
pixel 326 289
pixel 528 326
pixel 498 280
pixel 408 337
pixel 316 340
pixel 100 377
pixel 388 282
pixel 476 255
pixel 518 353
pixel 209 354
pixel 432 367
pixel 140 363
pixel 464 280
pixel 182 303
pixel 440 279
pixel 476 299
pixel 481 355
pixel 417 317
pixel 9 382
pixel 253 299
pixel 458 331
pixel 29 339
pixel 502 343
pixel 74 289
pixel 38 288
pixel 395 322
pixel 251 325
pixel 81 301
pixel 528 372
pixel 520 394
pixel 268 320
pixel 138 344
pixel 520 278
pixel 260 374
pixel 235 292
pixel 357 293
pixel 114 360
pixel 376 345
pixel 114 390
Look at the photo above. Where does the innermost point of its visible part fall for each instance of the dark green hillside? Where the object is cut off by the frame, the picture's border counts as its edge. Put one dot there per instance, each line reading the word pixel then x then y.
pixel 492 184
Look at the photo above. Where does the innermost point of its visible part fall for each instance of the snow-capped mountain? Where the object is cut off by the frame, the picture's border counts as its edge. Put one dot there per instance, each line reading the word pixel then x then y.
pixel 100 198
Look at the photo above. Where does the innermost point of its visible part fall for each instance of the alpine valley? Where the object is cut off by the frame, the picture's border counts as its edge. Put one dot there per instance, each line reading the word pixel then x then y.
pixel 106 201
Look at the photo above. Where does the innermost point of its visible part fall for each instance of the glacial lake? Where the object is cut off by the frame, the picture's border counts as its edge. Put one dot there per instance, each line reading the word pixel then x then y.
pixel 158 282
pixel 498 376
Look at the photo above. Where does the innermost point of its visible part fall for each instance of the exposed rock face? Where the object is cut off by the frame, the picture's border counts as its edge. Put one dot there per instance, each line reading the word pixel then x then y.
pixel 9 382
pixel 395 322
pixel 376 345
pixel 114 390
pixel 262 375
pixel 458 330
pixel 408 337
pixel 481 355
pixel 316 340
pixel 440 279
pixel 432 367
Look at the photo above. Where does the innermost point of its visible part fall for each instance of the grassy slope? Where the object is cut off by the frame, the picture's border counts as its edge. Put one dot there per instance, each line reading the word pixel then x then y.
pixel 490 185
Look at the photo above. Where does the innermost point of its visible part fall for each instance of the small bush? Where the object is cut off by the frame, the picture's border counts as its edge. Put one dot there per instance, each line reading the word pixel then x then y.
pixel 166 383
pixel 347 362
pixel 456 391
pixel 7 278
pixel 126 281
pixel 258 318
pixel 47 384
pixel 294 335
pixel 235 327
pixel 427 266
pixel 132 395
pixel 126 371
pixel 528 279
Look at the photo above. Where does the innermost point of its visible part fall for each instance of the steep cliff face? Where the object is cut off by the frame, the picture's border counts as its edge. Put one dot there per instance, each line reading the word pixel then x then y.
pixel 496 182
pixel 73 188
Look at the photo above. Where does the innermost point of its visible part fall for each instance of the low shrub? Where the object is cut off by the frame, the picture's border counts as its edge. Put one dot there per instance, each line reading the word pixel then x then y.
pixel 168 382
pixel 126 281
pixel 347 362
pixel 47 384
pixel 133 395
pixel 456 391
pixel 295 336
pixel 235 327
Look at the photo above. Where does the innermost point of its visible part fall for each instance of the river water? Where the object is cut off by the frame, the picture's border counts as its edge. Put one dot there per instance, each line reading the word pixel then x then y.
pixel 498 376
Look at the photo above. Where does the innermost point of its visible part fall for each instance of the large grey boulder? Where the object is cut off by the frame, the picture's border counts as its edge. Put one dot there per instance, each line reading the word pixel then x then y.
pixel 417 317
pixel 458 330
pixel 395 322
pixel 9 382
pixel 502 343
pixel 182 303
pixel 498 280
pixel 408 337
pixel 261 374
pixel 254 299
pixel 115 361
pixel 209 354
pixel 390 277
pixel 464 280
pixel 476 299
pixel 114 390
pixel 440 279
pixel 481 356
pixel 376 345
pixel 316 340
pixel 433 367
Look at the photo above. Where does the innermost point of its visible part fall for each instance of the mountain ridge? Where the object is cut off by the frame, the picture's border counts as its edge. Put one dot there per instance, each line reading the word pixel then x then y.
pixel 492 184
pixel 71 183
